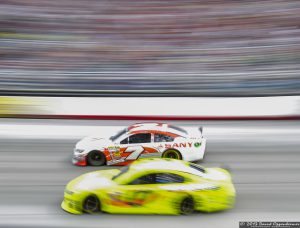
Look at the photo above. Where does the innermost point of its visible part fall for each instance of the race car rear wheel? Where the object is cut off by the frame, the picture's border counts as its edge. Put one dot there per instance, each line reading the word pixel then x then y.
pixel 187 206
pixel 172 153
pixel 96 158
pixel 91 204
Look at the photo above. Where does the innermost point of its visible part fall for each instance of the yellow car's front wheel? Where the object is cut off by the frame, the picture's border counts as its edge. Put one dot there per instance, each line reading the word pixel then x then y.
pixel 91 204
pixel 172 153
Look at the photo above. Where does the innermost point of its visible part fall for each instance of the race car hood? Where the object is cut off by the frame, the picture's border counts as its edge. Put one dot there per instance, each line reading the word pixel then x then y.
pixel 90 140
pixel 93 180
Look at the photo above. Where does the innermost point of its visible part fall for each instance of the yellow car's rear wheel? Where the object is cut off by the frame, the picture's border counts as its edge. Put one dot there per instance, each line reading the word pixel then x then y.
pixel 172 153
pixel 187 206
pixel 91 204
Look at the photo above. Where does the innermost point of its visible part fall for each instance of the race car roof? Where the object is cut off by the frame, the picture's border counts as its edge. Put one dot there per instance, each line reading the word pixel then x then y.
pixel 163 127
pixel 167 164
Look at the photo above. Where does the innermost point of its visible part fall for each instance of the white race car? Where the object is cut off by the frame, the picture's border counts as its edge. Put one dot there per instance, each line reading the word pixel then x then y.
pixel 141 140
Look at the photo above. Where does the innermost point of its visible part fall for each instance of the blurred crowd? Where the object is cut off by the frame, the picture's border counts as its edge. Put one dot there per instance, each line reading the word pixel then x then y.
pixel 191 47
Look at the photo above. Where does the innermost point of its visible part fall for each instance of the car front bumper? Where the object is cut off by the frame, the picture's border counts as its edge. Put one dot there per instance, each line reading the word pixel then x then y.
pixel 79 159
pixel 72 202
pixel 71 206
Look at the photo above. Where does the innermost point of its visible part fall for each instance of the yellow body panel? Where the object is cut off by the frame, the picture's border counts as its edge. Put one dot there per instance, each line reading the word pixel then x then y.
pixel 119 196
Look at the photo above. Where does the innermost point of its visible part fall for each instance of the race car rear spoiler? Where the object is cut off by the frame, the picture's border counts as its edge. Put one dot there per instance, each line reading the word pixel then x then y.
pixel 201 130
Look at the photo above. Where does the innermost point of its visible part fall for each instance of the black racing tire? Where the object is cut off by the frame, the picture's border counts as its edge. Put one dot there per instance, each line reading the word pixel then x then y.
pixel 187 206
pixel 91 204
pixel 96 158
pixel 172 153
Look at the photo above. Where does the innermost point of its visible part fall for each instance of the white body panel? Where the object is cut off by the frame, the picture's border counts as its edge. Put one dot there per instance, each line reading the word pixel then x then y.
pixel 191 145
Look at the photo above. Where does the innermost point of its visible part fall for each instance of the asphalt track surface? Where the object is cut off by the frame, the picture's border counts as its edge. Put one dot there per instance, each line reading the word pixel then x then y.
pixel 264 157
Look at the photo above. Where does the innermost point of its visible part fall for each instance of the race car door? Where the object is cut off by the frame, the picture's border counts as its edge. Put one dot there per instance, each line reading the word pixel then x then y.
pixel 161 141
pixel 144 195
pixel 138 145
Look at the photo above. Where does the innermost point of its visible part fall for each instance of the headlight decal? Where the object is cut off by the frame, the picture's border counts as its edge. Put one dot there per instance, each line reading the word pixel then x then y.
pixel 79 150
pixel 69 192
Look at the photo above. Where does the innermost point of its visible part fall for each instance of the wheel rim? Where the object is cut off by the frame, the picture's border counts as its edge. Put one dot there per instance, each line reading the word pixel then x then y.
pixel 96 158
pixel 187 206
pixel 91 204
pixel 172 154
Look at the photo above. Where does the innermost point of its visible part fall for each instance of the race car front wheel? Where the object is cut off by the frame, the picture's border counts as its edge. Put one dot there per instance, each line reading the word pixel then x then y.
pixel 91 204
pixel 172 153
pixel 187 206
pixel 96 158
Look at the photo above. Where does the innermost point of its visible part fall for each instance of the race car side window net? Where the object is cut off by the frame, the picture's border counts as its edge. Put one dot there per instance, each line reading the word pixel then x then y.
pixel 163 138
pixel 158 178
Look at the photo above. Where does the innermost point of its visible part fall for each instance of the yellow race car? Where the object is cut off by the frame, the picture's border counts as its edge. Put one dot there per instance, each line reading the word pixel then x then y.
pixel 151 186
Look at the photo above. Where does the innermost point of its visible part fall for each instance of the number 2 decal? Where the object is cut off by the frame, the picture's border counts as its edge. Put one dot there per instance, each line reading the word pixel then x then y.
pixel 135 152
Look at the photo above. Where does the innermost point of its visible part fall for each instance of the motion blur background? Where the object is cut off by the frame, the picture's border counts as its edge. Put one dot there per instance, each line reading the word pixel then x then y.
pixel 121 47
pixel 191 49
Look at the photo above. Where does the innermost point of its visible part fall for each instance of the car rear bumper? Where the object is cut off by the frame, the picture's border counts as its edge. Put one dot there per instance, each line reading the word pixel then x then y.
pixel 196 155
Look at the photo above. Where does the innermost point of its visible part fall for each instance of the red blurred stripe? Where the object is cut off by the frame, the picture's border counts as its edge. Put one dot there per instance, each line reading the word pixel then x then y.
pixel 136 117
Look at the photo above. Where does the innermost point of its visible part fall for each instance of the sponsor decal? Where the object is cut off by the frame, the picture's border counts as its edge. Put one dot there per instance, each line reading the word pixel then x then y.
pixel 179 145
pixel 197 144
pixel 112 149
pixel 120 155
pixel 115 152
pixel 131 199
pixel 134 151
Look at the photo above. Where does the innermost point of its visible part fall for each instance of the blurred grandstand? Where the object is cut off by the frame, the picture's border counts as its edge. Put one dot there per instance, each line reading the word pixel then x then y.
pixel 152 48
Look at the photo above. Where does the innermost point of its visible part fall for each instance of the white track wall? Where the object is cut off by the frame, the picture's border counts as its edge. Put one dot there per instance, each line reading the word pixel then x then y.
pixel 181 107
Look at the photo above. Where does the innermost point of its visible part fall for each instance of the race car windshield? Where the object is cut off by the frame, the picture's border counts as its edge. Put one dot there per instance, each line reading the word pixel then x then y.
pixel 123 170
pixel 116 136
